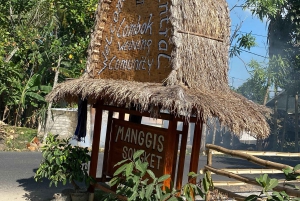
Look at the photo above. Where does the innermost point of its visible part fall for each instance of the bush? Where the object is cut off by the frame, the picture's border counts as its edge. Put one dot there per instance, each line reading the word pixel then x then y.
pixel 63 162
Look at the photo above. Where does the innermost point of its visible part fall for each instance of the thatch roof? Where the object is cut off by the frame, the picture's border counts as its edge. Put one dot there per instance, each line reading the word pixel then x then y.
pixel 196 83
pixel 232 109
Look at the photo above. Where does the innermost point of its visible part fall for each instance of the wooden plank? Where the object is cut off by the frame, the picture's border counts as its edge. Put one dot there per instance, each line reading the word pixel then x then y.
pixel 164 116
pixel 169 157
pixel 174 173
pixel 106 151
pixel 95 145
pixel 196 149
pixel 121 115
pixel 182 154
pixel 128 137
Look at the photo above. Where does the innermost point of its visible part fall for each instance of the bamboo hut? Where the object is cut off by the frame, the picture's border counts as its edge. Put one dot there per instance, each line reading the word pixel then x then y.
pixel 165 55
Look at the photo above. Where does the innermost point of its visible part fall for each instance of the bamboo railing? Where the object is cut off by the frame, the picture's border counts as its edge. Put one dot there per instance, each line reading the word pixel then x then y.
pixel 247 155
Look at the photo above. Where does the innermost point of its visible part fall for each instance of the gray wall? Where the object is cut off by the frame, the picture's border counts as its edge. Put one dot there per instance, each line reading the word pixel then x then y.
pixel 63 122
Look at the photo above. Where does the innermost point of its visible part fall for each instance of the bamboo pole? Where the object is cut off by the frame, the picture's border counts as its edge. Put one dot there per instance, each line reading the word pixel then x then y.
pixel 253 159
pixel 239 183
pixel 233 195
pixel 249 171
pixel 247 180
pixel 262 153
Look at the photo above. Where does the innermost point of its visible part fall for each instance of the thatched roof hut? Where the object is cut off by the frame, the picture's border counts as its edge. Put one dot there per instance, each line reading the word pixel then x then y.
pixel 170 55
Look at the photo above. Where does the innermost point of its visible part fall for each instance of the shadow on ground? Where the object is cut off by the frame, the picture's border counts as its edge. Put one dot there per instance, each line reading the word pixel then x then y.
pixel 40 191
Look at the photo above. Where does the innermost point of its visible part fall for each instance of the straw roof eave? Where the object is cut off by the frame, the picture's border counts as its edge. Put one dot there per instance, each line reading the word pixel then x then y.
pixel 232 110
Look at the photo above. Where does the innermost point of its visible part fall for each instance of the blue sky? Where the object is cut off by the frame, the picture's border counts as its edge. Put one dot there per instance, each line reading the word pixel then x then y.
pixel 237 70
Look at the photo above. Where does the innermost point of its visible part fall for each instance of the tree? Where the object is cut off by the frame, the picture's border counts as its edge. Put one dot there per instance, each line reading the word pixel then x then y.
pixel 283 19
pixel 44 37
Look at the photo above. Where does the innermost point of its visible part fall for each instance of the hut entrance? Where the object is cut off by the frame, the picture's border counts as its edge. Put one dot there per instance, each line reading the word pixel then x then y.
pixel 163 150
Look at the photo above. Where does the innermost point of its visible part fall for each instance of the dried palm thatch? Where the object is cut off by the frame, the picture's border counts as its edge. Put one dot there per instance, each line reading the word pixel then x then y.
pixel 197 81
pixel 232 109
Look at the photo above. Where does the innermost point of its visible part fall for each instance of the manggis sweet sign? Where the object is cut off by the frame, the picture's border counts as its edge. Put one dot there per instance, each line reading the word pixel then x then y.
pixel 135 41
pixel 127 137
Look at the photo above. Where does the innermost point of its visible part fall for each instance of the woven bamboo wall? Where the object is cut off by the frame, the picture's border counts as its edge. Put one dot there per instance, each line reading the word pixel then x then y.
pixel 171 41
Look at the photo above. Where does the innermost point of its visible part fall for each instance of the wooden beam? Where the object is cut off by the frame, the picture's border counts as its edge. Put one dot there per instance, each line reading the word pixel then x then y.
pixel 95 145
pixel 196 148
pixel 253 159
pixel 182 155
pixel 174 173
pixel 170 150
pixel 163 116
pixel 106 150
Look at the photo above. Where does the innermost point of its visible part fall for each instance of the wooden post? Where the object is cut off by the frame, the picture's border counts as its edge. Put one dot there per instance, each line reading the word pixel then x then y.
pixel 184 137
pixel 95 146
pixel 177 135
pixel 196 148
pixel 170 157
pixel 107 140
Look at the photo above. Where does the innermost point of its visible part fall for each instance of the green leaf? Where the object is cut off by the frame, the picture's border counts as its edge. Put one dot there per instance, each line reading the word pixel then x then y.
pixel 133 196
pixel 264 179
pixel 114 181
pixel 35 96
pixel 163 178
pixel 191 174
pixel 166 196
pixel 151 174
pixel 251 198
pixel 273 183
pixel 149 190
pixel 129 169
pixel 58 162
pixel 121 162
pixel 137 154
pixel 158 192
pixel 172 199
pixel 205 184
pixel 120 169
pixel 140 168
pixel 142 193
pixel 278 196
pixel 297 167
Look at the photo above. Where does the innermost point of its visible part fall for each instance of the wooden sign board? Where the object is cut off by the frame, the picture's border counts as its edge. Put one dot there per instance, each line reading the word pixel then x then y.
pixel 136 41
pixel 127 137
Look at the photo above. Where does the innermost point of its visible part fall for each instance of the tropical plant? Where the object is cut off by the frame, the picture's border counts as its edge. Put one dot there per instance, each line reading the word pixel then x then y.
pixel 134 180
pixel 268 184
pixel 45 37
pixel 63 162
pixel 31 93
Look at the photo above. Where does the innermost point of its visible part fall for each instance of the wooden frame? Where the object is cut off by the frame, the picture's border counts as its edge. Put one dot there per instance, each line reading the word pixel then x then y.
pixel 172 164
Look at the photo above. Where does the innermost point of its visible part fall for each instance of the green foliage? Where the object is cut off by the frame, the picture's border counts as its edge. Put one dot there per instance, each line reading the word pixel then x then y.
pixel 253 89
pixel 263 8
pixel 134 180
pixel 34 34
pixel 63 162
pixel 268 184
pixel 244 41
